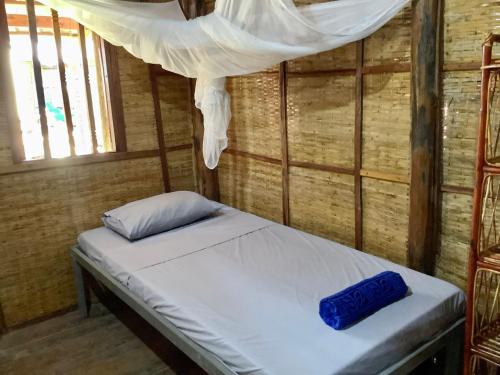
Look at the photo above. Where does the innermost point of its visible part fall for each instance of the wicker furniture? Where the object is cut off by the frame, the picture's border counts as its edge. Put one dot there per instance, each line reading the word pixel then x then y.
pixel 482 344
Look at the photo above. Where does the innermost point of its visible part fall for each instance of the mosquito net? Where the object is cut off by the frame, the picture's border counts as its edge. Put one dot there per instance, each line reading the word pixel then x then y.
pixel 239 37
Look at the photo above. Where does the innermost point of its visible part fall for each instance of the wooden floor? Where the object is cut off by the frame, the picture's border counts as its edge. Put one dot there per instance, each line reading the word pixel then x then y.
pixel 102 344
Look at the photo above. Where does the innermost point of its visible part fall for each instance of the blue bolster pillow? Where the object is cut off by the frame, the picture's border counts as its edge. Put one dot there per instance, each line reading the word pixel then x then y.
pixel 362 299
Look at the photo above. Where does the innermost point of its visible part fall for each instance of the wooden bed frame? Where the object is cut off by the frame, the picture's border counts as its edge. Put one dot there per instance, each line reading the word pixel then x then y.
pixel 450 341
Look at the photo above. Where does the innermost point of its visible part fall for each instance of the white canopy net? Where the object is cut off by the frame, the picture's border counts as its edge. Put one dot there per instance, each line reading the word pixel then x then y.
pixel 239 37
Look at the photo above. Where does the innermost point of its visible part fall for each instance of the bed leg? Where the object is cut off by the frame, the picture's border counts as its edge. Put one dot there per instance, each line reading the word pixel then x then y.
pixel 81 289
pixel 454 353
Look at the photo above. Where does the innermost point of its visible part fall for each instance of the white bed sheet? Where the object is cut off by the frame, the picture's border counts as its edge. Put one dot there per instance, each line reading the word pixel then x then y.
pixel 121 257
pixel 252 299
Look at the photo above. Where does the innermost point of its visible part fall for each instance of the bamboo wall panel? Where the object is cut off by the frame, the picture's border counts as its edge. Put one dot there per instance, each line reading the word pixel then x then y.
pixel 320 119
pixel 175 110
pixel 255 114
pixel 340 58
pixel 385 219
pixel 466 23
pixel 251 185
pixel 386 123
pixel 391 44
pixel 42 218
pixel 180 170
pixel 451 263
pixel 137 103
pixel 459 122
pixel 322 203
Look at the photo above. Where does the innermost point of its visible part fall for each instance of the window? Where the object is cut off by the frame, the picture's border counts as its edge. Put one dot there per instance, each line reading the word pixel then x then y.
pixel 61 82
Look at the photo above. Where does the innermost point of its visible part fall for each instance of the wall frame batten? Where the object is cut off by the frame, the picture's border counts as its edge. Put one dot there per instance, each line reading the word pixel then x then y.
pixel 358 127
pixel 88 92
pixel 159 131
pixel 283 82
pixel 62 79
pixel 424 212
pixel 37 71
pixel 111 74
pixel 8 92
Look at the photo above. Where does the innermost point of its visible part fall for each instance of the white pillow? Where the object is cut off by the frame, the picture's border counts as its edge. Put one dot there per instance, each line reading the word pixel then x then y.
pixel 158 214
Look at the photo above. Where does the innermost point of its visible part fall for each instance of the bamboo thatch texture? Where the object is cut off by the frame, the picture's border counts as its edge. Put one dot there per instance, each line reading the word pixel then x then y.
pixel 460 108
pixel 386 123
pixel 322 203
pixel 326 105
pixel 40 220
pixel 255 109
pixel 137 103
pixel 251 185
pixel 175 110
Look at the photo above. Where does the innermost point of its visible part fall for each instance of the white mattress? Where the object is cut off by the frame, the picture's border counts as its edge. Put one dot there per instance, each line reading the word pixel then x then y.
pixel 248 290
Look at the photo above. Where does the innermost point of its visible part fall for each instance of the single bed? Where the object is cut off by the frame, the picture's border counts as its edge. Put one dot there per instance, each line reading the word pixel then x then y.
pixel 240 295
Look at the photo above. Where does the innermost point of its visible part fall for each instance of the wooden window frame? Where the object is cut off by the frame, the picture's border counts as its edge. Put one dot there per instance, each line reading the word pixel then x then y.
pixel 108 61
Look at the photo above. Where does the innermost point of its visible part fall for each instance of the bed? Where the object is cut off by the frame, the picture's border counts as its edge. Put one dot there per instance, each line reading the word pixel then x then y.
pixel 239 294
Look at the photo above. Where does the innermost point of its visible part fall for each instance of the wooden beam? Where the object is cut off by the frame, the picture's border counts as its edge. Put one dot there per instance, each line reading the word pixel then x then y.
pixel 424 182
pixel 42 165
pixel 250 155
pixel 457 189
pixel 358 141
pixel 207 180
pixel 44 22
pixel 322 167
pixel 383 176
pixel 111 74
pixel 387 68
pixel 283 82
pixel 37 70
pixel 88 91
pixel 8 91
pixel 62 78
pixel 159 131
pixel 179 147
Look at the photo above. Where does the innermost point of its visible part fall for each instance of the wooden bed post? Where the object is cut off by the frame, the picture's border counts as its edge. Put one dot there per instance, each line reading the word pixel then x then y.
pixel 425 133
pixel 207 180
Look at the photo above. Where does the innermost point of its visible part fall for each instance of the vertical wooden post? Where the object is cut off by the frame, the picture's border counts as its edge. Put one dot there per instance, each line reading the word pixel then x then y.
pixel 8 92
pixel 114 100
pixel 207 180
pixel 358 127
pixel 425 173
pixel 159 130
pixel 283 82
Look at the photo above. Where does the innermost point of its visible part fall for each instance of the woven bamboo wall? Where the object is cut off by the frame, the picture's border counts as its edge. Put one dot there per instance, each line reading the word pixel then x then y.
pixel 175 104
pixel 321 104
pixel 42 212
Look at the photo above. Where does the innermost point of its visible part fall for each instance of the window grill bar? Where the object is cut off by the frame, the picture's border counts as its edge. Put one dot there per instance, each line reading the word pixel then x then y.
pixel 37 70
pixel 62 79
